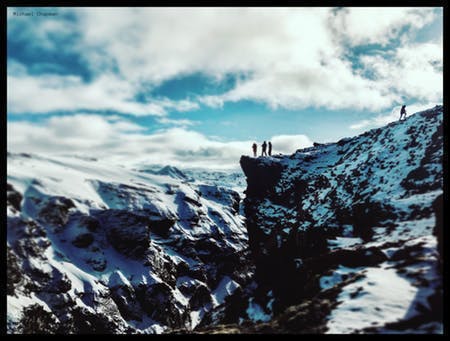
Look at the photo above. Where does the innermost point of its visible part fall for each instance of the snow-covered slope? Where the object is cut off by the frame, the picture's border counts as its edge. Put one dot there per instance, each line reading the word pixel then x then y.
pixel 94 247
pixel 351 223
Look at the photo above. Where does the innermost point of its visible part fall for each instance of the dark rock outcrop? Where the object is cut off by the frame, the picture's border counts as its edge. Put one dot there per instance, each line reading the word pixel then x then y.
pixel 297 205
pixel 128 232
pixel 13 197
pixel 55 211
pixel 83 240
pixel 262 174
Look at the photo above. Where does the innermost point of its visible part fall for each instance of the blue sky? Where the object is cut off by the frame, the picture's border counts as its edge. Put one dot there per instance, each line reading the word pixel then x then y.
pixel 199 85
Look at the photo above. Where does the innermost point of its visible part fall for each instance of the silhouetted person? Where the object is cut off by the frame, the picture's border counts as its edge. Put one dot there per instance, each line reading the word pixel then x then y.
pixel 270 148
pixel 254 147
pixel 403 112
pixel 264 147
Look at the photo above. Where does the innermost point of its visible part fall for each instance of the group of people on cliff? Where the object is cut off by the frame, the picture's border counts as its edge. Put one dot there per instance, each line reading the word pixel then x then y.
pixel 266 148
pixel 264 151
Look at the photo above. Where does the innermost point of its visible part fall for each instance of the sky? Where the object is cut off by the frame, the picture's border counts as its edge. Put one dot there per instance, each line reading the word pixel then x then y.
pixel 197 86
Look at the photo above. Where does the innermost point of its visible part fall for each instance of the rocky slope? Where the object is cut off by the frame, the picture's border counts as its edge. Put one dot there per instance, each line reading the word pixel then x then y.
pixel 97 248
pixel 343 235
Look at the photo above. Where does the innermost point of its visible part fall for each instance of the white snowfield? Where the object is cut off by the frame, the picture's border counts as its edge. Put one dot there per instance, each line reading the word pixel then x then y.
pixel 94 186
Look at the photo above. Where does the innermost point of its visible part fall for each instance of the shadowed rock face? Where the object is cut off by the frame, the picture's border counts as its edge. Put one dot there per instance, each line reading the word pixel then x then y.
pixel 374 189
pixel 262 175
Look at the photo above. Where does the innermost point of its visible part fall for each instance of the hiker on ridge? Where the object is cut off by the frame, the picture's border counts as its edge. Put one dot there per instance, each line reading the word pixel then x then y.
pixel 254 147
pixel 403 112
pixel 264 147
pixel 270 148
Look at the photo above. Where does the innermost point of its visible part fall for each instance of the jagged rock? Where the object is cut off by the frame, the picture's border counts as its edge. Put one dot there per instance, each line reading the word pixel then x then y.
pixel 132 241
pixel 83 240
pixel 124 296
pixel 158 302
pixel 36 320
pixel 127 232
pixel 91 223
pixel 56 211
pixel 162 265
pixel 369 213
pixel 262 174
pixel 85 322
pixel 182 269
pixel 59 283
pixel 13 273
pixel 13 197
pixel 161 227
pixel 200 297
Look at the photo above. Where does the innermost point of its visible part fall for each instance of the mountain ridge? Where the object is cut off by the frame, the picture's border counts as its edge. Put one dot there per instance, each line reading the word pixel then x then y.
pixel 341 237
pixel 334 207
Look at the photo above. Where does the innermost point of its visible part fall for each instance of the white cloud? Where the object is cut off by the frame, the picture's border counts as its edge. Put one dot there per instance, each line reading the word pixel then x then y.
pixel 295 57
pixel 176 122
pixel 371 25
pixel 415 71
pixel 48 92
pixel 122 141
pixel 333 88
pixel 288 144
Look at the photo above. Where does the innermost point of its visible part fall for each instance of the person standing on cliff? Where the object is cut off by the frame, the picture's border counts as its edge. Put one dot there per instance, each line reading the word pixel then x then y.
pixel 270 148
pixel 254 147
pixel 403 112
pixel 264 147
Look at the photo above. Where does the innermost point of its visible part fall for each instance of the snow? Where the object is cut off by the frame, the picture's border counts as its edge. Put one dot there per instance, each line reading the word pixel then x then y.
pixel 327 282
pixel 256 313
pixel 16 304
pixel 384 297
pixel 95 185
pixel 343 242
pixel 196 317
pixel 225 288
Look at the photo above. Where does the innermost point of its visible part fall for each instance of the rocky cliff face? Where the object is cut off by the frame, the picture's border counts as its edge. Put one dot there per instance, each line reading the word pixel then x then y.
pixel 337 220
pixel 97 248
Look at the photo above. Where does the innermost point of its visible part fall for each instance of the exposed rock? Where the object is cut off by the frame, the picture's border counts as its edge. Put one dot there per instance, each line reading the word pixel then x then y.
pixel 161 227
pixel 36 320
pixel 159 303
pixel 83 240
pixel 200 297
pixel 262 174
pixel 125 297
pixel 132 241
pixel 127 232
pixel 56 211
pixel 91 223
pixel 13 273
pixel 13 197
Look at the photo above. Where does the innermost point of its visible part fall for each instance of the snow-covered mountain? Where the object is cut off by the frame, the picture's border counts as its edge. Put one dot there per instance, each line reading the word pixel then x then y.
pixel 233 179
pixel 343 235
pixel 94 247
pixel 340 237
